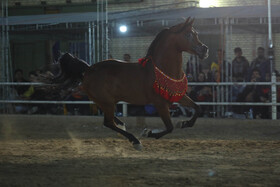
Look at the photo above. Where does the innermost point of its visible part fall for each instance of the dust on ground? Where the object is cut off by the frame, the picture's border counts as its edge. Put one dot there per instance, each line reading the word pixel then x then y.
pixel 79 151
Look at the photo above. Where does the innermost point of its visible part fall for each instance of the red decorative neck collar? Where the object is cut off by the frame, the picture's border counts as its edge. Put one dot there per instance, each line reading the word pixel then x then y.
pixel 170 89
pixel 144 61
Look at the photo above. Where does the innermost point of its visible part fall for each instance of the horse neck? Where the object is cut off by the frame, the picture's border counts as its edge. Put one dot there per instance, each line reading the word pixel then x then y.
pixel 169 61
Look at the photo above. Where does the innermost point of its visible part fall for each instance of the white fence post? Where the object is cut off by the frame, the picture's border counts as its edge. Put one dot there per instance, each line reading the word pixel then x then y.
pixel 273 96
pixel 124 106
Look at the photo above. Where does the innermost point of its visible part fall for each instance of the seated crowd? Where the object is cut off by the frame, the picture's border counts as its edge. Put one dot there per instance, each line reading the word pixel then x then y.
pixel 45 93
pixel 240 70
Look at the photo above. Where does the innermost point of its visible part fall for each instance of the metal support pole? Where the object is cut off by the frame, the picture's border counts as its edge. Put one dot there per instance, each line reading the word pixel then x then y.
pixel 6 66
pixel 97 32
pixel 107 31
pixel 93 42
pixel 274 97
pixel 230 49
pixel 89 44
pixel 218 100
pixel 272 65
pixel 102 29
pixel 102 39
pixel 2 44
pixel 270 42
pixel 269 24
pixel 2 64
pixel 226 78
pixel 194 62
pixel 220 71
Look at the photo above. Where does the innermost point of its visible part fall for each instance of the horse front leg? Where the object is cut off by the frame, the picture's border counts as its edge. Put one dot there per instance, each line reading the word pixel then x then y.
pixel 163 111
pixel 188 102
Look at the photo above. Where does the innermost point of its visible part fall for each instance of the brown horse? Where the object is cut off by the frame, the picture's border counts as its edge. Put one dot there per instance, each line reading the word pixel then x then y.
pixel 111 81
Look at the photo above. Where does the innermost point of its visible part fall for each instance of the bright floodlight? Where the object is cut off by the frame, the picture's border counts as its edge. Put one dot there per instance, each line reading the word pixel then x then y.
pixel 123 28
pixel 205 3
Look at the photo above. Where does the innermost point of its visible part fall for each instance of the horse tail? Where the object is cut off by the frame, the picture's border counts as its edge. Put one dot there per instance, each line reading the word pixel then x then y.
pixel 71 70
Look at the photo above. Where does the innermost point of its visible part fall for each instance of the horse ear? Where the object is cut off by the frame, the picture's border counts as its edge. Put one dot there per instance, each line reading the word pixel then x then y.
pixel 187 20
pixel 183 26
pixel 177 28
pixel 189 24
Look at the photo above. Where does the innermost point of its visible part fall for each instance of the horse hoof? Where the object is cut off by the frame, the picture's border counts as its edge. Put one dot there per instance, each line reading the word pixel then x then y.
pixel 138 146
pixel 145 132
pixel 179 124
pixel 184 124
pixel 121 127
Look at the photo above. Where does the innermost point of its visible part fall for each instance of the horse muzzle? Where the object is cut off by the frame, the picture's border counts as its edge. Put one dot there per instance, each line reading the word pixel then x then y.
pixel 202 51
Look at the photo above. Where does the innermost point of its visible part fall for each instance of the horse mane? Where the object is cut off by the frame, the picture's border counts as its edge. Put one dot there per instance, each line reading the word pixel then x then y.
pixel 159 37
pixel 154 43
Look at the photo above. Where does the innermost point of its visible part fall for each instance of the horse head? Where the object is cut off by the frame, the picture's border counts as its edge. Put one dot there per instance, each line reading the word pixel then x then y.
pixel 187 40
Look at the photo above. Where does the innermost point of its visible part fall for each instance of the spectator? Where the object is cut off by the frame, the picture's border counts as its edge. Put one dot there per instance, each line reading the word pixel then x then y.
pixel 42 93
pixel 214 77
pixel 190 92
pixel 20 79
pixel 190 77
pixel 278 88
pixel 252 93
pixel 127 57
pixel 222 67
pixel 256 63
pixel 30 91
pixel 261 63
pixel 236 90
pixel 202 93
pixel 240 66
pixel 278 94
pixel 20 91
pixel 193 67
pixel 265 96
pixel 75 109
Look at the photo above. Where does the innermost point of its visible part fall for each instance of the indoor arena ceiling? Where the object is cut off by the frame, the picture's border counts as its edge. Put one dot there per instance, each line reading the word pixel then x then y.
pixel 148 15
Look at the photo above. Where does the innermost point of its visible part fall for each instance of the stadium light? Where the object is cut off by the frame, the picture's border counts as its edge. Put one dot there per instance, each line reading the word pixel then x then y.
pixel 123 28
pixel 206 3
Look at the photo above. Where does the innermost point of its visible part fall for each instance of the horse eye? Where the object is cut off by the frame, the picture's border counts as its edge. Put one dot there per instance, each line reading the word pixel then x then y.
pixel 189 35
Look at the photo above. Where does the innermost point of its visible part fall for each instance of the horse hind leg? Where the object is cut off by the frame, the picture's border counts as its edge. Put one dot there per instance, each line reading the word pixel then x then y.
pixel 188 102
pixel 109 121
pixel 119 123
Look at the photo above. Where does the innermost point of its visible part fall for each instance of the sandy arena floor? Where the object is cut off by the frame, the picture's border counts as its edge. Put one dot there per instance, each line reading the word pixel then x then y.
pixel 79 151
